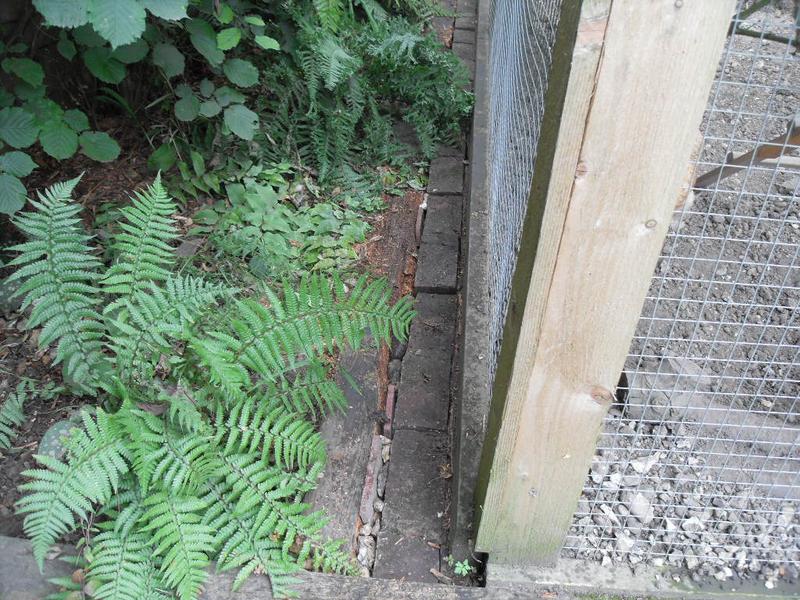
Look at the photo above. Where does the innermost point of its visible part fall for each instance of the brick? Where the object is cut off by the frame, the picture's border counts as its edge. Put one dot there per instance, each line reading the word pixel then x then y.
pixel 446 176
pixel 414 499
pixel 423 397
pixel 369 493
pixel 437 259
pixel 463 36
pixel 466 52
pixel 466 22
pixel 467 7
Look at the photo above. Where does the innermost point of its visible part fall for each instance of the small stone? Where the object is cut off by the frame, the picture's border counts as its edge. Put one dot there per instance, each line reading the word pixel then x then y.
pixel 692 525
pixel 624 543
pixel 378 505
pixel 641 509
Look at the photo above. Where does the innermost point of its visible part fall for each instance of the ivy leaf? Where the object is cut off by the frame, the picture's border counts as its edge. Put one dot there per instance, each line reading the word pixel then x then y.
pixel 210 108
pixel 187 108
pixel 162 158
pixel 65 46
pixel 226 95
pixel 59 141
pixel 99 146
pixel 26 69
pixel 267 43
pixel 85 35
pixel 240 72
pixel 16 163
pixel 63 13
pixel 225 15
pixel 242 121
pixel 169 59
pixel 12 194
pixel 202 36
pixel 119 21
pixel 170 10
pixel 76 119
pixel 17 128
pixel 131 53
pixel 103 66
pixel 229 38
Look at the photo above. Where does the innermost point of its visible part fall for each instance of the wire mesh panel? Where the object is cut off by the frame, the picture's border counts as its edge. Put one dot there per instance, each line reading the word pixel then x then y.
pixel 698 467
pixel 522 34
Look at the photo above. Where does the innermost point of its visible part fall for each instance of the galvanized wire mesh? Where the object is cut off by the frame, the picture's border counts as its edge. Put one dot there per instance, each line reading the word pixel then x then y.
pixel 522 34
pixel 698 469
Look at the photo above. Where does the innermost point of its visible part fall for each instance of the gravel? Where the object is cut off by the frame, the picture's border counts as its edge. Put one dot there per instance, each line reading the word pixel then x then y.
pixel 698 470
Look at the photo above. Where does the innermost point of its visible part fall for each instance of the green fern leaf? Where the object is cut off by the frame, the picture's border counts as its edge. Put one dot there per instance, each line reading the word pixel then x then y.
pixel 96 460
pixel 284 436
pixel 143 244
pixel 329 13
pixel 58 272
pixel 122 566
pixel 179 537
pixel 11 415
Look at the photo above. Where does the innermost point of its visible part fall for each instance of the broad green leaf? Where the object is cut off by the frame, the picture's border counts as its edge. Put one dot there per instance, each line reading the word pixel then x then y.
pixel 131 53
pixel 169 59
pixel 65 46
pixel 103 66
pixel 225 14
pixel 99 146
pixel 240 72
pixel 12 194
pixel 171 10
pixel 198 164
pixel 63 13
pixel 44 111
pixel 76 119
pixel 187 108
pixel 6 98
pixel 242 121
pixel 162 158
pixel 58 140
pixel 229 38
pixel 119 21
pixel 26 69
pixel 226 95
pixel 17 128
pixel 267 43
pixel 29 93
pixel 85 35
pixel 203 38
pixel 254 20
pixel 206 88
pixel 17 163
pixel 182 90
pixel 210 108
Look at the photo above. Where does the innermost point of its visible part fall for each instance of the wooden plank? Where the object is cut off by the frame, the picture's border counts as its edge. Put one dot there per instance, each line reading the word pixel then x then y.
pixel 626 136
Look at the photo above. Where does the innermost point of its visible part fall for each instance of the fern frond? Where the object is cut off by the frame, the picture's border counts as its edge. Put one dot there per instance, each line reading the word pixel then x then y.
pixel 143 244
pixel 180 538
pixel 330 558
pixel 122 566
pixel 11 415
pixel 153 317
pixel 336 63
pixel 96 460
pixel 311 391
pixel 270 495
pixel 329 13
pixel 250 425
pixel 317 317
pixel 58 272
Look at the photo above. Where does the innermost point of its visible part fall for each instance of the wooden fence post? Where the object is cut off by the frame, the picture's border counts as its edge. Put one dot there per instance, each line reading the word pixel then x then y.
pixel 638 79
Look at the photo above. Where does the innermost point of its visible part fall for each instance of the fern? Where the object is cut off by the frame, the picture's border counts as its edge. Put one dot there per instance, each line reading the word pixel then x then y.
pixel 179 537
pixel 208 452
pixel 62 490
pixel 143 244
pixel 122 566
pixel 329 13
pixel 11 415
pixel 152 318
pixel 58 272
pixel 284 436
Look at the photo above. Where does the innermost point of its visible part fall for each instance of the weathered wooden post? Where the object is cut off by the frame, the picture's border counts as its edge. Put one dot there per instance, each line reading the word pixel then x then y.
pixel 612 164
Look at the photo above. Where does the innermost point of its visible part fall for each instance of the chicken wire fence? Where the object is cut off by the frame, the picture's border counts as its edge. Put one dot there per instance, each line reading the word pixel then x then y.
pixel 697 470
pixel 522 34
